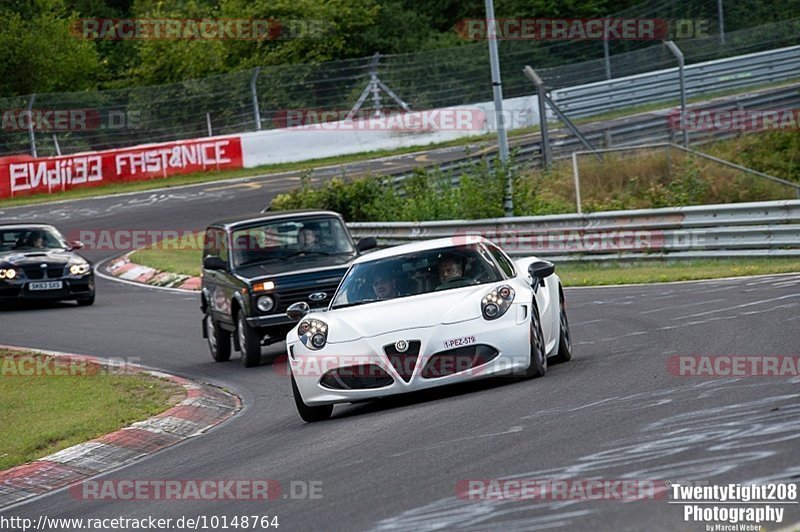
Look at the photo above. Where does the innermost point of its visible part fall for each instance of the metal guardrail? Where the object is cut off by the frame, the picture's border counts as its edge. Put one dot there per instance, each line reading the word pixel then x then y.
pixel 645 128
pixel 714 76
pixel 761 229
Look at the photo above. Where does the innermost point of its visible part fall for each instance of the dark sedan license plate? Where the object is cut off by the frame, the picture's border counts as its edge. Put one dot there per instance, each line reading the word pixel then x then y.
pixel 46 285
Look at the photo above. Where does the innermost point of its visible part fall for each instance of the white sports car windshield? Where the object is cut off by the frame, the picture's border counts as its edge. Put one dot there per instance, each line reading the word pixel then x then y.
pixel 416 273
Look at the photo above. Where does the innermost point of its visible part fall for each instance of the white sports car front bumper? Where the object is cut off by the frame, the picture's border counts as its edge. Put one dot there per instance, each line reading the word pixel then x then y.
pixel 507 342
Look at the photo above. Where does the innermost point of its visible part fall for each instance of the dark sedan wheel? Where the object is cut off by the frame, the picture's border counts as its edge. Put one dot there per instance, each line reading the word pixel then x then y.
pixel 219 340
pixel 249 342
pixel 538 364
pixel 310 414
pixel 86 301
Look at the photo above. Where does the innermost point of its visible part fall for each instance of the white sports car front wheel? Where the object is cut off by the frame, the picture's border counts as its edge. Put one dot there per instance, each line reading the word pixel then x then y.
pixel 310 414
pixel 538 365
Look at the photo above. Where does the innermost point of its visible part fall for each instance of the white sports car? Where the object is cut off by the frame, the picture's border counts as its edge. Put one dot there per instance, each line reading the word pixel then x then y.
pixel 426 314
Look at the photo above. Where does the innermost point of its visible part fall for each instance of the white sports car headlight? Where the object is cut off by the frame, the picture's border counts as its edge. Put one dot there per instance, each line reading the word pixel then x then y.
pixel 8 273
pixel 497 302
pixel 313 333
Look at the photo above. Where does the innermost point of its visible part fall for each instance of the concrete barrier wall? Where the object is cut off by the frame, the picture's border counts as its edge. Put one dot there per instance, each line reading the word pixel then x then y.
pixel 330 139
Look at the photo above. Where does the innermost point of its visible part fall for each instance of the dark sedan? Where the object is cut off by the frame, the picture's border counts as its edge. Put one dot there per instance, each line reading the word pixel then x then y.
pixel 38 263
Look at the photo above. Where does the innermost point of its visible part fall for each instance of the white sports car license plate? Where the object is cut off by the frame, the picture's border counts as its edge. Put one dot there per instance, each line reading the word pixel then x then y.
pixel 46 285
pixel 459 342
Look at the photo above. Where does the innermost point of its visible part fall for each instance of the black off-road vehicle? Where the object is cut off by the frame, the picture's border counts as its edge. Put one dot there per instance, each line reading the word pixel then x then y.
pixel 255 267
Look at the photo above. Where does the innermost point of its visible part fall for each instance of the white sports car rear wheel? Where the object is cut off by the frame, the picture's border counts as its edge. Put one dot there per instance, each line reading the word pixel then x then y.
pixel 565 339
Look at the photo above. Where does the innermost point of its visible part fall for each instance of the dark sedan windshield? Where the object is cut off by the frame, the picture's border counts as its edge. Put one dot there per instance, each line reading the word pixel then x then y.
pixel 30 239
pixel 285 239
pixel 416 273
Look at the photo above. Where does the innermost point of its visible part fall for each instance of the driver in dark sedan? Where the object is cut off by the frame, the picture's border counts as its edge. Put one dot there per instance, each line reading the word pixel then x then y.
pixel 34 239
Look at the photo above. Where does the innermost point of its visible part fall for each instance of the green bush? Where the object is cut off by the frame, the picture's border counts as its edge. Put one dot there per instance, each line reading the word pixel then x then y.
pixel 685 188
pixel 427 194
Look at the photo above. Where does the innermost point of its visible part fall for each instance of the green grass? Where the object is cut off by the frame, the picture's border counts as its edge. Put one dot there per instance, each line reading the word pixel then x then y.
pixel 44 413
pixel 181 255
pixel 599 274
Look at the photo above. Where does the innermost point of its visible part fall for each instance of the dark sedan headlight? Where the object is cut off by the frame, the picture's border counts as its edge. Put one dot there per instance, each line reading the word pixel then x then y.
pixel 497 302
pixel 313 333
pixel 80 268
pixel 8 273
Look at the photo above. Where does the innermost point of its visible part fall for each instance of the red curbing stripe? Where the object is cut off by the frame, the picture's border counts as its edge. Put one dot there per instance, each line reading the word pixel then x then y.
pixel 41 476
pixel 192 283
pixel 145 441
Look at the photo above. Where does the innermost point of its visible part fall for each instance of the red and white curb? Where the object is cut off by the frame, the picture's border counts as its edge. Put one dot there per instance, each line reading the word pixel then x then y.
pixel 124 269
pixel 203 408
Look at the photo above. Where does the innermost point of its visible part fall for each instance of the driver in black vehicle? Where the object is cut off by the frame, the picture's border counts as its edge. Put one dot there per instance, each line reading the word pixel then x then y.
pixel 308 238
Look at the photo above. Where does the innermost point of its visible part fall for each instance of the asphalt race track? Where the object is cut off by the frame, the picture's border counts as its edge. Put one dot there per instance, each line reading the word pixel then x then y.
pixel 614 412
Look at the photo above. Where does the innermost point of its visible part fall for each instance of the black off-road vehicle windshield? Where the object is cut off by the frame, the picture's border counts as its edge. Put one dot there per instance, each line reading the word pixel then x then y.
pixel 282 240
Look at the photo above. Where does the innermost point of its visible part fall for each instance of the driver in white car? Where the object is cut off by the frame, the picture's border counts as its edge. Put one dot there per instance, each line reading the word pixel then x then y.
pixel 384 286
pixel 449 268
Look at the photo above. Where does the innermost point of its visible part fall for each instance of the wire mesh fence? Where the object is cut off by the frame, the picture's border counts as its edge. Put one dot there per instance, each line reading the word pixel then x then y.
pixel 259 98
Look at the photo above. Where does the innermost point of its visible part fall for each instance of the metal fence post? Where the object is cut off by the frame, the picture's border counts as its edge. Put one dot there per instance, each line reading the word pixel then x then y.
pixel 55 143
pixel 376 90
pixel 721 19
pixel 254 94
pixel 30 125
pixel 539 84
pixel 497 90
pixel 679 55
pixel 208 124
pixel 576 177
pixel 608 139
pixel 606 53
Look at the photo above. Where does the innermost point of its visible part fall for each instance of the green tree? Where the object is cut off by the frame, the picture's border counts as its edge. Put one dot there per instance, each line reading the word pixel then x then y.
pixel 317 30
pixel 39 54
pixel 174 60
